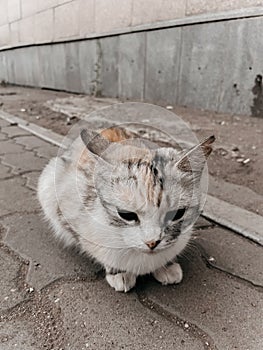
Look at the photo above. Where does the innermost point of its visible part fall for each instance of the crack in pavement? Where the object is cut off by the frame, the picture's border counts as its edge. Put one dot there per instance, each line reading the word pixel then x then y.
pixel 20 279
pixel 24 148
pixel 204 227
pixel 187 326
pixel 34 149
pixel 48 323
pixel 5 133
pixel 22 212
pixel 251 284
pixel 209 264
pixel 21 174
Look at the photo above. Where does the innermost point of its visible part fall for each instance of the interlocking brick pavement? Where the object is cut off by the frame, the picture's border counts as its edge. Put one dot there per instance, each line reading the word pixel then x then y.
pixel 52 298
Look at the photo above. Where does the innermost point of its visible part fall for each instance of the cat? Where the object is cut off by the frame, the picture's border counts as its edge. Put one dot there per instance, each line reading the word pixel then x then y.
pixel 126 203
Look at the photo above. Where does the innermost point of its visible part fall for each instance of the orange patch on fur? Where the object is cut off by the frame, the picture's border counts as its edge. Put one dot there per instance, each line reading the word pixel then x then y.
pixel 84 158
pixel 116 134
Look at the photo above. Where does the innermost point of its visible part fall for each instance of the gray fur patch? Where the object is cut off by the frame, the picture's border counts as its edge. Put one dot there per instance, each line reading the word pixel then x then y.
pixel 66 225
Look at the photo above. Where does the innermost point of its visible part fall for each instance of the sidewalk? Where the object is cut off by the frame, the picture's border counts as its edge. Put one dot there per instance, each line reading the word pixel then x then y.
pixel 53 299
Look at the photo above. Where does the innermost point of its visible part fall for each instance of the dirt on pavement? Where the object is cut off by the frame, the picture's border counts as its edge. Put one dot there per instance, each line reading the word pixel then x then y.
pixel 237 157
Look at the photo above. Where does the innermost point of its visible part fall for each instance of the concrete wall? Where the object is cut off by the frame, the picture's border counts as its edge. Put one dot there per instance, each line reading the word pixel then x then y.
pixel 215 66
pixel 172 52
pixel 24 22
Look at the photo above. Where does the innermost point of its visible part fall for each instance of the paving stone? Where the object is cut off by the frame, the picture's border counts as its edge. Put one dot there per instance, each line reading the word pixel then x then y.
pixel 10 290
pixel 3 136
pixel 14 197
pixel 240 220
pixel 9 146
pixel 26 161
pixel 4 171
pixel 48 151
pixel 233 253
pixel 42 148
pixel 110 320
pixel 235 194
pixel 17 334
pixel 30 142
pixel 227 309
pixel 31 238
pixel 32 179
pixel 3 123
pixel 32 325
pixel 14 131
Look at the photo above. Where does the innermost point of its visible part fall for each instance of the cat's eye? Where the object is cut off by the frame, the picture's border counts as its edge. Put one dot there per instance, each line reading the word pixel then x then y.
pixel 128 215
pixel 175 215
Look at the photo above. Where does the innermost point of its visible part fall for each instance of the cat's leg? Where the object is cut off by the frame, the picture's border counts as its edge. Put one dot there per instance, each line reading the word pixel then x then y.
pixel 119 280
pixel 169 274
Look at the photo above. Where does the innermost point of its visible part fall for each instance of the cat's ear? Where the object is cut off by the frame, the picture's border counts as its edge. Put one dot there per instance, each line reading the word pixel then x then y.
pixel 94 142
pixel 194 160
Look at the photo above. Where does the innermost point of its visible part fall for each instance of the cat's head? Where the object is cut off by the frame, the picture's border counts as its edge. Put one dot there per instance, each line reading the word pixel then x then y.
pixel 149 195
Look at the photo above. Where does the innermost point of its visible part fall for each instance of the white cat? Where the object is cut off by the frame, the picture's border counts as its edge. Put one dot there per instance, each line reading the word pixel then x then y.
pixel 126 204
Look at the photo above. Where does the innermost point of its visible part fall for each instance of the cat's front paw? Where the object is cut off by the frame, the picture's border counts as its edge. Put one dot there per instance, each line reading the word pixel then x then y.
pixel 121 282
pixel 169 275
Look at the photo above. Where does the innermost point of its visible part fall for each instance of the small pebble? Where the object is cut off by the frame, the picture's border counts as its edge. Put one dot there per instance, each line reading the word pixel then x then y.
pixel 22 110
pixel 246 161
pixel 169 107
pixel 186 325
pixel 211 259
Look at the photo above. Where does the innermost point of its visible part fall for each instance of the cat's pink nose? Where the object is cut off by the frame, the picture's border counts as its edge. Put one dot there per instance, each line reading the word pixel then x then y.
pixel 152 244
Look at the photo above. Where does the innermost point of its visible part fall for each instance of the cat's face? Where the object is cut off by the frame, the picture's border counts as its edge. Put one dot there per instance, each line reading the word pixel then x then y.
pixel 150 197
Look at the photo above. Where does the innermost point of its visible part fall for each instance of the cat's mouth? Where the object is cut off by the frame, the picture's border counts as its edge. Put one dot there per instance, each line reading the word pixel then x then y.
pixel 162 247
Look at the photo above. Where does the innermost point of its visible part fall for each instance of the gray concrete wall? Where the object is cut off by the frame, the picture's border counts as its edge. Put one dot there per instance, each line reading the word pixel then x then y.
pixel 215 66
pixel 25 22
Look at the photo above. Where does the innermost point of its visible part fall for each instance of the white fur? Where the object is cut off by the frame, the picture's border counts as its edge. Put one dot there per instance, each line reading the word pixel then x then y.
pixel 169 275
pixel 61 185
pixel 122 282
